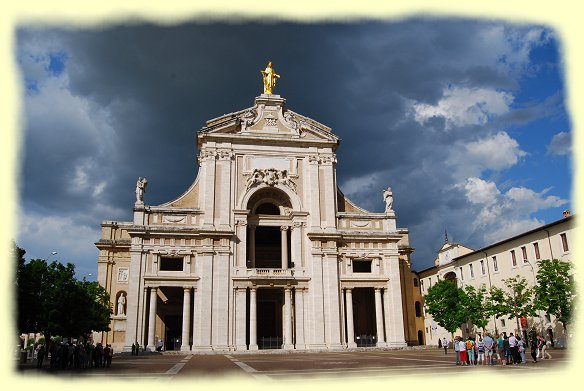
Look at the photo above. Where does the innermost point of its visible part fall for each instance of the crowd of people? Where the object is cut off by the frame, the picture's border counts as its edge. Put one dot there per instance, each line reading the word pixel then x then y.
pixel 62 355
pixel 504 350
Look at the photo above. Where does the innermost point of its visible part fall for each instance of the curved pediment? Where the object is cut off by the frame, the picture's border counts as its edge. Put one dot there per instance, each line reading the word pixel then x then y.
pixel 269 118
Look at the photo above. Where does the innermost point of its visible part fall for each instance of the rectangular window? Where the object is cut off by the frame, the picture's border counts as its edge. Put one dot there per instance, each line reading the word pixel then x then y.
pixel 536 250
pixel 524 253
pixel 513 259
pixel 483 267
pixel 461 274
pixel 168 264
pixel 502 322
pixel 362 266
pixel 495 266
pixel 422 285
pixel 564 242
pixel 471 271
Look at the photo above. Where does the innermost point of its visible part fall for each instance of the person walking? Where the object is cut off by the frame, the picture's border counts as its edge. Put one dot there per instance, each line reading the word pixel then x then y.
pixel 544 347
pixel 445 345
pixel 534 342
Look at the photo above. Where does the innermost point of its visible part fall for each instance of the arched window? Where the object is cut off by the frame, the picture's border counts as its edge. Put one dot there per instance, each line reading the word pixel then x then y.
pixel 418 309
pixel 268 235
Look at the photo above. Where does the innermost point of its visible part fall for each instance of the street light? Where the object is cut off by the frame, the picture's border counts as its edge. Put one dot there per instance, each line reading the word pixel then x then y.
pixel 534 284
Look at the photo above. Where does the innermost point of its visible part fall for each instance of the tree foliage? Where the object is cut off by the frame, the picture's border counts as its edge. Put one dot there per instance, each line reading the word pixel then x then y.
pixel 51 300
pixel 476 305
pixel 515 300
pixel 556 291
pixel 444 302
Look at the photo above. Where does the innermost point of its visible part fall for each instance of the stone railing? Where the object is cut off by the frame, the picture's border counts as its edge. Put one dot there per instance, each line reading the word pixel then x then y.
pixel 260 272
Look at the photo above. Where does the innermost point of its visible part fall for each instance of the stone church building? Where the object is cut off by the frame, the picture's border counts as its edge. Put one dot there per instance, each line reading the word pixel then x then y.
pixel 262 251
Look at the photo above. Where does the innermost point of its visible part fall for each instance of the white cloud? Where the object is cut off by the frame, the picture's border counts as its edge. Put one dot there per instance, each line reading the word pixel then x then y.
pixel 39 235
pixel 561 144
pixel 510 227
pixel 461 106
pixel 494 152
pixel 479 191
pixel 506 214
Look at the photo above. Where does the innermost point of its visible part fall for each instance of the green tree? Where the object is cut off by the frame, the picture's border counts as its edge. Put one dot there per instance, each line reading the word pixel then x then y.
pixel 476 305
pixel 52 301
pixel 515 301
pixel 444 302
pixel 555 291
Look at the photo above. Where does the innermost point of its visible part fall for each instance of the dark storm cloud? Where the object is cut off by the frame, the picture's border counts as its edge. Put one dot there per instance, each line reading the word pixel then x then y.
pixel 149 88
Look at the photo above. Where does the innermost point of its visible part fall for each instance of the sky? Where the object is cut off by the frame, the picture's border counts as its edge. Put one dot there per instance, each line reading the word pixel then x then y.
pixel 464 118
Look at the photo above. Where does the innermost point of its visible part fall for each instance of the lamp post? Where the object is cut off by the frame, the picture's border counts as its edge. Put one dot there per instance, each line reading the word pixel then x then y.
pixel 534 284
pixel 39 291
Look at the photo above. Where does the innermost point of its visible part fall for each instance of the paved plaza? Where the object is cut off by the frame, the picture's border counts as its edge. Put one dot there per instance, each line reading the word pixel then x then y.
pixel 291 367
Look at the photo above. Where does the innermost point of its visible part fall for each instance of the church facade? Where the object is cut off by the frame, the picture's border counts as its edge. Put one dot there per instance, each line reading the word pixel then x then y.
pixel 262 251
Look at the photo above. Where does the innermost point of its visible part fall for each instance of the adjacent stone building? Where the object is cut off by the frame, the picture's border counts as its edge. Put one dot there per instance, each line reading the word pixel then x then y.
pixel 262 251
pixel 491 265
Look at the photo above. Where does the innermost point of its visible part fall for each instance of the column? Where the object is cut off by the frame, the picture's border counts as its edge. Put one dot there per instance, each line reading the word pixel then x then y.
pixel 350 328
pixel 251 244
pixel 253 322
pixel 284 231
pixel 186 318
pixel 394 322
pixel 240 319
pixel 314 191
pixel 296 244
pixel 379 318
pixel 152 317
pixel 194 325
pixel 288 343
pixel 299 318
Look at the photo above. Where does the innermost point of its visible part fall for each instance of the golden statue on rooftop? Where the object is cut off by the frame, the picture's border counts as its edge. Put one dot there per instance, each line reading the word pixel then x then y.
pixel 269 76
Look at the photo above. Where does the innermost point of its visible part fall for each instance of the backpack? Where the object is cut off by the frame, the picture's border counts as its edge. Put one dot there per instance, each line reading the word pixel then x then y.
pixel 481 347
pixel 469 345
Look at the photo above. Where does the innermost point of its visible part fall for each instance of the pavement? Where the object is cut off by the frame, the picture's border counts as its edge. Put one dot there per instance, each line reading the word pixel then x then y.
pixel 294 366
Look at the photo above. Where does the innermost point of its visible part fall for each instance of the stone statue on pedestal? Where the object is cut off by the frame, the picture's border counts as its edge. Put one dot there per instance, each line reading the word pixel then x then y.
pixel 122 304
pixel 388 198
pixel 140 189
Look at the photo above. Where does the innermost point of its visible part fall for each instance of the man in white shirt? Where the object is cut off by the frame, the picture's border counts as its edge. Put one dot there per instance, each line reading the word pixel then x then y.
pixel 513 349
